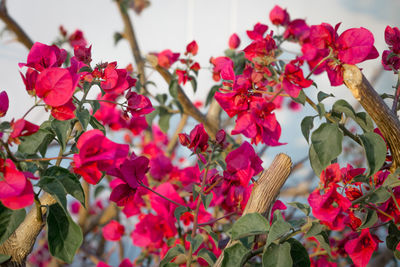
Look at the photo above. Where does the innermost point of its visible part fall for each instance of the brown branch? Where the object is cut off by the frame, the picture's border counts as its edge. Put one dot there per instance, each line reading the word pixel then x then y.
pixel 188 107
pixel 131 37
pixel 13 26
pixel 265 190
pixel 384 118
pixel 214 112
pixel 19 245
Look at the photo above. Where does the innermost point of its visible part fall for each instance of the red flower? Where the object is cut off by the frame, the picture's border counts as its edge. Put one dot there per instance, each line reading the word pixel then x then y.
pixel 64 112
pixel 331 174
pixel 183 76
pixel 113 231
pixel 42 56
pixel 56 86
pixel 77 39
pixel 242 164
pixel 391 57
pixel 197 140
pixel 360 249
pixel 30 80
pixel 297 30
pixel 223 66
pixel 21 128
pixel 115 80
pixel 192 48
pixel 83 54
pixel 258 31
pixel 3 103
pixel 96 154
pixel 279 16
pixel 234 41
pixel 293 80
pixel 138 105
pixel 166 58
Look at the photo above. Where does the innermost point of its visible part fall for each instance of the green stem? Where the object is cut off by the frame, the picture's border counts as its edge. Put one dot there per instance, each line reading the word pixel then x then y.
pixel 319 64
pixel 158 194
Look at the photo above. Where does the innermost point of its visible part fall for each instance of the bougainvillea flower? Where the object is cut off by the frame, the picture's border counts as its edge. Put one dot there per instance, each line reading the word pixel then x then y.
pixel 20 128
pixel 22 200
pixel 197 140
pixel 223 66
pixel 293 80
pixel 391 57
pixel 297 30
pixel 96 154
pixel 165 208
pixel 126 263
pixel 331 174
pixel 115 80
pixel 13 181
pixel 77 39
pixel 242 164
pixel 234 41
pixel 122 193
pixel 3 103
pixel 279 16
pixel 192 48
pixel 43 56
pixel 138 105
pixel 259 123
pixel 75 207
pixel 83 54
pixel 183 76
pixel 258 31
pixel 160 166
pixel 166 58
pixel 113 231
pixel 360 249
pixel 329 206
pixel 64 112
pixel 261 50
pixel 30 80
pixel 56 86
pixel 132 170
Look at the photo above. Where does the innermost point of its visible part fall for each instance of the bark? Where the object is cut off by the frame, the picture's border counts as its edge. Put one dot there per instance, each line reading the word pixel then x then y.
pixel 385 119
pixel 265 190
pixel 19 245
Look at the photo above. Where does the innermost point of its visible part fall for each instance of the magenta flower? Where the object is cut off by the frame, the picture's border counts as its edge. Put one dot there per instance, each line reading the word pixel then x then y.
pixel 297 30
pixel 293 80
pixel 115 80
pixel 113 231
pixel 20 128
pixel 242 164
pixel 223 66
pixel 83 54
pixel 77 39
pixel 331 174
pixel 138 105
pixel 261 50
pixel 234 41
pixel 279 16
pixel 42 56
pixel 3 103
pixel 30 80
pixel 360 249
pixel 96 154
pixel 391 57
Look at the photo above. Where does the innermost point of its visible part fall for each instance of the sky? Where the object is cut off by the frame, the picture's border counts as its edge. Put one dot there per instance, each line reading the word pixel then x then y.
pixel 172 24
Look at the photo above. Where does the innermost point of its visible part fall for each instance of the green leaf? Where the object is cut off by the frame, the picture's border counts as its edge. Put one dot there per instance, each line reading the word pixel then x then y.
pixel 196 191
pixel 370 219
pixel 163 122
pixel 321 110
pixel 173 88
pixel 196 242
pixel 4 258
pixel 61 129
pixel 179 211
pixel 55 188
pixel 95 105
pixel 209 231
pixel 342 106
pixel 393 179
pixel 322 95
pixel 31 144
pixel 98 189
pixel 314 161
pixel 117 37
pixel 171 254
pixel 150 117
pixel 306 125
pixel 298 253
pixel 9 221
pixel 365 121
pixel 278 228
pixel 315 229
pixel 207 255
pixel 380 195
pixel 327 143
pixel 277 255
pixel 375 151
pixel 301 206
pixel 211 94
pixel 64 235
pixel 83 117
pixel 324 242
pixel 249 224
pixel 193 82
pixel 161 98
pixel 206 199
pixel 96 124
pixel 393 237
pixel 234 255
pixel 5 125
pixel 301 99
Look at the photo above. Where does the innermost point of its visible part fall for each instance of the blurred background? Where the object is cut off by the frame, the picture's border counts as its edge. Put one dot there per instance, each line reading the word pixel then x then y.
pixel 172 24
